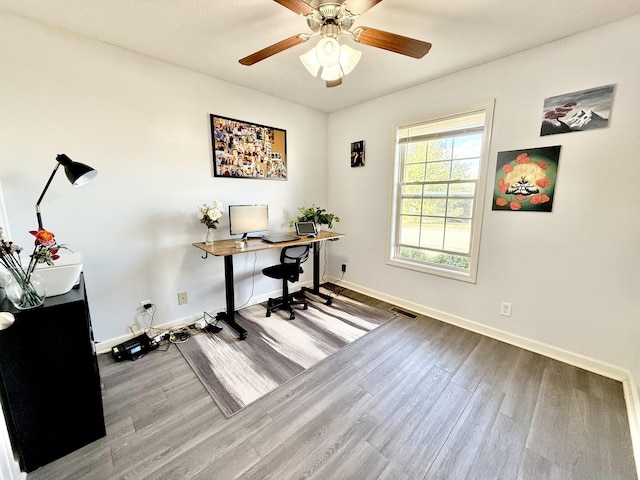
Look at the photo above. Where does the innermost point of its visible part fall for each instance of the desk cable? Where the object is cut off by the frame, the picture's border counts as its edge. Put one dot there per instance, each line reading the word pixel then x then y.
pixel 253 281
pixel 335 292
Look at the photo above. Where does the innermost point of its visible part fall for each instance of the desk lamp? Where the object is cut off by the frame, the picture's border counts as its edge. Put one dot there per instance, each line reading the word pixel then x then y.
pixel 77 173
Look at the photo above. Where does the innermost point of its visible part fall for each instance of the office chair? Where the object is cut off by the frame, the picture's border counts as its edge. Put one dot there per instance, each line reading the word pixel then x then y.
pixel 288 270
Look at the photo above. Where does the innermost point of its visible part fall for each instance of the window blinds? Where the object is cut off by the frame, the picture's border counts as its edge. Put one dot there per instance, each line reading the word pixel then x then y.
pixel 447 127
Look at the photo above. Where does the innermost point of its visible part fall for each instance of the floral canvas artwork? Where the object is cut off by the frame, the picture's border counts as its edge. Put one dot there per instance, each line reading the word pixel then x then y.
pixel 526 179
pixel 577 111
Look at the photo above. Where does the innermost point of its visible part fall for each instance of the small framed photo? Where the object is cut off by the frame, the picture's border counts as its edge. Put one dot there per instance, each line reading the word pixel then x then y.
pixel 357 154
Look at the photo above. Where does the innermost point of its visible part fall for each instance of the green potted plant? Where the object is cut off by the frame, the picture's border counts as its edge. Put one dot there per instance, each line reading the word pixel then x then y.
pixel 317 215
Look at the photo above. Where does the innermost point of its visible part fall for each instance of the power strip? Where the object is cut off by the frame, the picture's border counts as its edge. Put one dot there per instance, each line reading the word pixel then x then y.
pixel 207 326
pixel 202 324
pixel 158 338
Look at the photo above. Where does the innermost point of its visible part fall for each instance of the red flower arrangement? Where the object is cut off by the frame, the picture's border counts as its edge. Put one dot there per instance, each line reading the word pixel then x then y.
pixel 45 251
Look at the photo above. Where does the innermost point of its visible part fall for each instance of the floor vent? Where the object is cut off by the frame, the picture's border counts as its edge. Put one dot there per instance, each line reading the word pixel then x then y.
pixel 403 312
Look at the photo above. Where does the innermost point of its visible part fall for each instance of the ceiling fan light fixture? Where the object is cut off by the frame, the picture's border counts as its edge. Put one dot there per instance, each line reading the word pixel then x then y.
pixel 328 52
pixel 331 73
pixel 310 62
pixel 330 19
pixel 349 58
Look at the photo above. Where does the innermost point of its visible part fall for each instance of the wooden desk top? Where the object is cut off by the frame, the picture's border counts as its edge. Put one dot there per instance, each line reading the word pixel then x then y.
pixel 222 248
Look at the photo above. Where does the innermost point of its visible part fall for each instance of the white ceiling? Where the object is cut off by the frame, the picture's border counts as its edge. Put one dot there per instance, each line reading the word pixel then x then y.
pixel 210 36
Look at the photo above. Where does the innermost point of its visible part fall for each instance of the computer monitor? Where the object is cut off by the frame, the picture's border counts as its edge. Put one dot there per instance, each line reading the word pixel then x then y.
pixel 247 219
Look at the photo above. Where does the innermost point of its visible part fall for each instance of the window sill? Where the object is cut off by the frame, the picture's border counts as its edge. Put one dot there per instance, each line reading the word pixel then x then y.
pixel 433 270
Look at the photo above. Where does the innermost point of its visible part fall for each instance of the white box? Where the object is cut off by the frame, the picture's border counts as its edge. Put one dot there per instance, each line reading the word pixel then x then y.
pixel 63 275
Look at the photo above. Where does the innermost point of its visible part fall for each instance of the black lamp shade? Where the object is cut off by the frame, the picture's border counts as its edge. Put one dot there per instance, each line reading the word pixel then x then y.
pixel 77 173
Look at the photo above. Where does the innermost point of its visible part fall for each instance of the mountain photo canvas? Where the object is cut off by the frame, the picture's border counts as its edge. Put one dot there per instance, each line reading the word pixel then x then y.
pixel 577 111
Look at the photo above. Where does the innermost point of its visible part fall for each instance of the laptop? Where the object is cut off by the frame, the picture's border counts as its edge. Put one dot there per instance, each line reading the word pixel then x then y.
pixel 279 238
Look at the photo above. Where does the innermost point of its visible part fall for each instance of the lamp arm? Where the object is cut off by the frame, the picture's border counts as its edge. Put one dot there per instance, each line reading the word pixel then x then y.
pixel 46 187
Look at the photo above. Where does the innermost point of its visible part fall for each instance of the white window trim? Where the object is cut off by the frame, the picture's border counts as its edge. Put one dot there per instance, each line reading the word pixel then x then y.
pixel 478 209
pixel 4 219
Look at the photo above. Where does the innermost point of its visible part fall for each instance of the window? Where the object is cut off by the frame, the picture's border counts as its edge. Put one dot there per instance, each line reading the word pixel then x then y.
pixel 439 185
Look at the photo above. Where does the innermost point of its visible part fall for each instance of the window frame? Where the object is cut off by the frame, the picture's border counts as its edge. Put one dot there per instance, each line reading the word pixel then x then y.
pixel 393 257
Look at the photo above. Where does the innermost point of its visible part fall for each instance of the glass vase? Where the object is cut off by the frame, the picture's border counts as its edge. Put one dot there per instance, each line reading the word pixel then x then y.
pixel 210 236
pixel 26 294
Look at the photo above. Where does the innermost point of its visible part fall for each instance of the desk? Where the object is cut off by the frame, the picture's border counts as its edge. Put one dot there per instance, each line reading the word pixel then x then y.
pixel 227 249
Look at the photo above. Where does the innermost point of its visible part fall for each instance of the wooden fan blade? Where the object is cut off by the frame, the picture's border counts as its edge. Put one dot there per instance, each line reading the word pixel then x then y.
pixel 296 6
pixel 358 7
pixel 334 83
pixel 391 41
pixel 273 49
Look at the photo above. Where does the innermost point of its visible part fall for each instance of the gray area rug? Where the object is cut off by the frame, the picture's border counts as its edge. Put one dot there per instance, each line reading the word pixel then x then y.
pixel 238 372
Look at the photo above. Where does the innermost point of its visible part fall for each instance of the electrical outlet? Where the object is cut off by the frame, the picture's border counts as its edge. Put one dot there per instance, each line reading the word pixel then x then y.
pixel 344 268
pixel 505 309
pixel 143 303
pixel 182 298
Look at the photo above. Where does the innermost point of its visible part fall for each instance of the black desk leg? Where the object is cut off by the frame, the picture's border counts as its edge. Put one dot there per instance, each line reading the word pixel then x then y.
pixel 229 317
pixel 315 290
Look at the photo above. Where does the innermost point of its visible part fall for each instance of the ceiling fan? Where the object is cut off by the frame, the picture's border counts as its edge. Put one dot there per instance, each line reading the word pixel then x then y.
pixel 330 20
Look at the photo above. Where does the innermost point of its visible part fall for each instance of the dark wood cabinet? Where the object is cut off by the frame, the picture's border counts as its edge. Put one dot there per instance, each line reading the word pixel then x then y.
pixel 49 379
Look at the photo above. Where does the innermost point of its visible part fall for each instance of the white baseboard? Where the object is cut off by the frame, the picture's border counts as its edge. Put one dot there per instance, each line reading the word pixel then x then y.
pixel 105 346
pixel 565 356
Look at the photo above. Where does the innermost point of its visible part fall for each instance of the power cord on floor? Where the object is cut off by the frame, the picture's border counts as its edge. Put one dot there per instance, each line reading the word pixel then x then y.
pixel 211 326
pixel 179 335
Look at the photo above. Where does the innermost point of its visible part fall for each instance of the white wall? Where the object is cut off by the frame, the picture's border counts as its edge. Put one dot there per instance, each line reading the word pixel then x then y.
pixel 572 275
pixel 144 125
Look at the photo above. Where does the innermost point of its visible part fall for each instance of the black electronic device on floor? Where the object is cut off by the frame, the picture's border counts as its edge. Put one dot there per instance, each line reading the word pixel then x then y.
pixel 134 348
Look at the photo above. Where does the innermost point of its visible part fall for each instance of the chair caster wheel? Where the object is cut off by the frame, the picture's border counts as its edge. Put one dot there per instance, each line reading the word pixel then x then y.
pixel 268 313
pixel 292 317
pixel 306 307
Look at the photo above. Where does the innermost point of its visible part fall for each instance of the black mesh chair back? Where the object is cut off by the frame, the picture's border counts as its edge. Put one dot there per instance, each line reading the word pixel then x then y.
pixel 294 255
pixel 288 270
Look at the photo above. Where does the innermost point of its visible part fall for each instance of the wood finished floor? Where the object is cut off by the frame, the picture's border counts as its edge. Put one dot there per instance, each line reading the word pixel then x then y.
pixel 414 399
